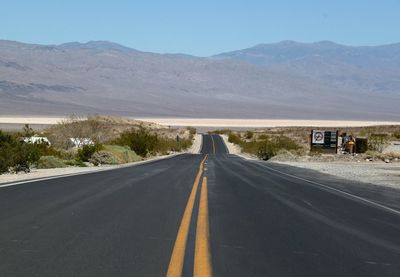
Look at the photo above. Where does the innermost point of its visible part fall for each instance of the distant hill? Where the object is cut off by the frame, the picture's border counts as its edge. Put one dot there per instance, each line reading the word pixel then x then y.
pixel 285 80
pixel 375 69
pixel 96 45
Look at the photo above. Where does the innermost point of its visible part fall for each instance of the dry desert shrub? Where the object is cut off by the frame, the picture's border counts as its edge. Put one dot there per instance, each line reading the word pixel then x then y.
pixel 50 162
pixel 103 129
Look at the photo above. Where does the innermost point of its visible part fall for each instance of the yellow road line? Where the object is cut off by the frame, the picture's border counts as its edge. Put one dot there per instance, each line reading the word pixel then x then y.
pixel 213 144
pixel 202 256
pixel 178 253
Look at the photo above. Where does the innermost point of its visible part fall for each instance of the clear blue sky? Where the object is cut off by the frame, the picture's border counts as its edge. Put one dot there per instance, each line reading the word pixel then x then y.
pixel 202 27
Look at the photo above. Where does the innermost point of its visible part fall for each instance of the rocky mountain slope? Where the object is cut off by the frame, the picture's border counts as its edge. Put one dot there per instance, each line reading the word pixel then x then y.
pixel 375 69
pixel 104 77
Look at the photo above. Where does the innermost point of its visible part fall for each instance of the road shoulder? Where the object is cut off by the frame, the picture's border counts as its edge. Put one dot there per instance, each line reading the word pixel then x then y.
pixel 42 174
pixel 386 195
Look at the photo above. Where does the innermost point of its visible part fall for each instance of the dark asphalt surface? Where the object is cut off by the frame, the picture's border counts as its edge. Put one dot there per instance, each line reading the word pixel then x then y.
pixel 262 223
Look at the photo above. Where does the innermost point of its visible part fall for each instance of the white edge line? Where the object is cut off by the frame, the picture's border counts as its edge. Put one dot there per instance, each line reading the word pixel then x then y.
pixel 336 190
pixel 87 172
pixel 223 142
pixel 201 145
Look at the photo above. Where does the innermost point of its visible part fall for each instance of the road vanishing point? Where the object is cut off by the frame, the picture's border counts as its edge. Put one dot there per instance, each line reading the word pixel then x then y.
pixel 207 214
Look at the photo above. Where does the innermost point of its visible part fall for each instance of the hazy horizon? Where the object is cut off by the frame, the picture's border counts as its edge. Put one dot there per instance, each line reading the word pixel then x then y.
pixel 213 54
pixel 200 29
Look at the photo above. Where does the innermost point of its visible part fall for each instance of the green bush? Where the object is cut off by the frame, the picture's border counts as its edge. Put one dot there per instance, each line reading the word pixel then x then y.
pixel 15 154
pixel 220 132
pixel 86 152
pixel 5 139
pixel 122 153
pixel 46 150
pixel 166 144
pixel 266 150
pixel 363 132
pixel 263 137
pixel 50 162
pixel 283 142
pixel 67 155
pixel 249 135
pixel 140 141
pixel 184 144
pixel 250 147
pixel 6 161
pixel 234 138
pixel 192 130
pixel 396 135
pixel 377 142
pixel 143 143
pixel 266 147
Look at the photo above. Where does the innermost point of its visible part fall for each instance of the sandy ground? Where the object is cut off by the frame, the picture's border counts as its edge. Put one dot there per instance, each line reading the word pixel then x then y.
pixel 394 147
pixel 258 123
pixel 195 149
pixel 214 122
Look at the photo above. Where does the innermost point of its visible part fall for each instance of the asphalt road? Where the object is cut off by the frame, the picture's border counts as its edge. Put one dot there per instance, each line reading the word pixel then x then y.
pixel 211 213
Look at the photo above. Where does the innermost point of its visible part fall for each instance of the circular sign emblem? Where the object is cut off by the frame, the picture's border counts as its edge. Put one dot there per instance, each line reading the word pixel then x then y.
pixel 318 137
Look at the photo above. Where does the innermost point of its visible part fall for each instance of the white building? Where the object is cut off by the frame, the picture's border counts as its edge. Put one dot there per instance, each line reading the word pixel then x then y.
pixel 36 140
pixel 79 142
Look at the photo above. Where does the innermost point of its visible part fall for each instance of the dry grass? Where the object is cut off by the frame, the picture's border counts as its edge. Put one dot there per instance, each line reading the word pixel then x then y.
pixel 301 137
pixel 103 129
pixel 301 134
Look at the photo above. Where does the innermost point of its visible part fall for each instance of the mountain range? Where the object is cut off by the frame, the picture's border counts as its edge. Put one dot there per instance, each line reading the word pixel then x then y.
pixel 293 80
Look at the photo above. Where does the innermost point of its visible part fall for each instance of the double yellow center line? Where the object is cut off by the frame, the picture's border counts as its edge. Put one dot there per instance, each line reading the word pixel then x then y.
pixel 202 257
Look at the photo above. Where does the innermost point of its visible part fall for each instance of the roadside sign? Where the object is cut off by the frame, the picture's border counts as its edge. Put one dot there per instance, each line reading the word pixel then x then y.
pixel 324 141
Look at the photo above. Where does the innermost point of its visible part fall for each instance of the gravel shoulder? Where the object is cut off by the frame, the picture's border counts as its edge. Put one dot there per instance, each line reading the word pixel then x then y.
pixel 378 188
pixel 378 173
pixel 49 172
